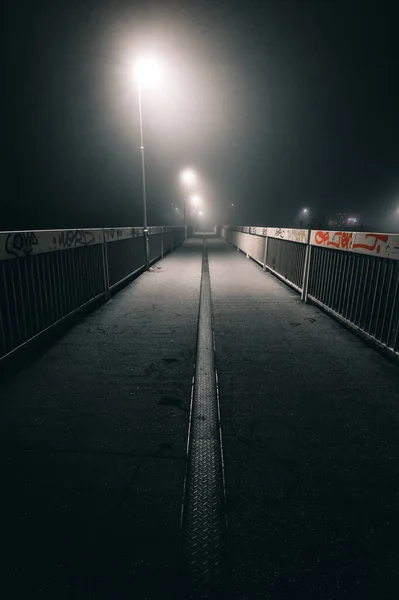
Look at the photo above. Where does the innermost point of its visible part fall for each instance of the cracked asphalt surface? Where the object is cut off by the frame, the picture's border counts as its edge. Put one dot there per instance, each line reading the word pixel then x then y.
pixel 94 432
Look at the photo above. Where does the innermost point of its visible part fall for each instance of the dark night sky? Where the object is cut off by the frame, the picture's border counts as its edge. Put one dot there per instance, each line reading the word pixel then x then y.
pixel 278 105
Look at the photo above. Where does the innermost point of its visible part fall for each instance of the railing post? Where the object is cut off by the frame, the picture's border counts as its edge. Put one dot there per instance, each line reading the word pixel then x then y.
pixel 106 268
pixel 162 241
pixel 146 248
pixel 306 271
pixel 265 254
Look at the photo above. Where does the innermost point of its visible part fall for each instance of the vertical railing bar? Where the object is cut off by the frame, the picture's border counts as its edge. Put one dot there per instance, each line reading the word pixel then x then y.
pixel 53 315
pixel 330 266
pixel 43 269
pixel 15 302
pixel 323 273
pixel 306 271
pixel 356 316
pixel 74 271
pixel 337 280
pixel 8 304
pixel 375 295
pixel 80 279
pixel 63 291
pixel 381 291
pixel 71 280
pixel 366 290
pixel 331 282
pixel 98 272
pixel 32 306
pixel 91 267
pixel 56 286
pixel 348 288
pixel 2 328
pixel 106 268
pixel 85 279
pixel 318 269
pixel 393 308
pixel 342 280
pixel 391 266
pixel 355 289
pixel 345 279
pixel 23 297
pixel 30 263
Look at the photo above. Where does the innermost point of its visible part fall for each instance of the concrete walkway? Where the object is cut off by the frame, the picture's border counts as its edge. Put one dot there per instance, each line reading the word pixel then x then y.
pixel 310 424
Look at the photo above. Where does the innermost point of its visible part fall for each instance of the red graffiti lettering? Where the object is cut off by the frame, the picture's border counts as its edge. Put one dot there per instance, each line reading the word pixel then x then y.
pixel 321 237
pixel 377 238
pixel 339 239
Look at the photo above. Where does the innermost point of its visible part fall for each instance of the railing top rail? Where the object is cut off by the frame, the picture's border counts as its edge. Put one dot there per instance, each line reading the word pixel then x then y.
pixel 370 243
pixel 21 244
pixel 293 235
pixel 115 234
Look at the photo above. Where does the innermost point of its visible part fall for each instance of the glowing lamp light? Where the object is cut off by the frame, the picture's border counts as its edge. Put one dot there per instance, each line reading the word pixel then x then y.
pixel 196 200
pixel 147 72
pixel 188 176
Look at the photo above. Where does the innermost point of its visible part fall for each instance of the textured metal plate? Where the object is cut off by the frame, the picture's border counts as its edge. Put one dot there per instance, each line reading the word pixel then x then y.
pixel 203 524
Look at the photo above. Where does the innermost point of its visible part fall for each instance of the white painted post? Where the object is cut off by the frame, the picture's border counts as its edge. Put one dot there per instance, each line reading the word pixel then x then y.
pixel 306 271
pixel 265 254
pixel 106 268
pixel 162 241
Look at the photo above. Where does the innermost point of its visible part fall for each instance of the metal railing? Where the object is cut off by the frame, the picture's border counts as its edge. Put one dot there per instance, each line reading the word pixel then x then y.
pixel 353 276
pixel 47 276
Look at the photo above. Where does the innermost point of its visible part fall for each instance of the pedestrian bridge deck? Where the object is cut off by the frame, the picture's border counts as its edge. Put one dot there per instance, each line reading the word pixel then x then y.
pixel 94 436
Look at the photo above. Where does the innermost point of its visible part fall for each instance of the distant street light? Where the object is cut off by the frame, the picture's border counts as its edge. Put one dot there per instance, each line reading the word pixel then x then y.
pixel 304 211
pixel 146 72
pixel 188 177
pixel 196 199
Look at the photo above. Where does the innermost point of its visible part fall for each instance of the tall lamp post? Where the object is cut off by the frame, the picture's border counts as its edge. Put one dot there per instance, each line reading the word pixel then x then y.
pixel 188 177
pixel 146 71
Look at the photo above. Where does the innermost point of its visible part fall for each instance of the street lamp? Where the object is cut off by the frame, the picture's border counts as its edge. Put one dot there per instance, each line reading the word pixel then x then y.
pixel 146 71
pixel 304 213
pixel 196 200
pixel 188 178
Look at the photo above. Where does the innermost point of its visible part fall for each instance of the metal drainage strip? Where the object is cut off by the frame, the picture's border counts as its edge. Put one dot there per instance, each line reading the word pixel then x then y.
pixel 203 515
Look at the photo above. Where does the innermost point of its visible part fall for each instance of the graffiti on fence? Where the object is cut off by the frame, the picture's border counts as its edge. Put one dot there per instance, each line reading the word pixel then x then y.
pixel 367 243
pixel 299 235
pixel 20 243
pixel 374 241
pixel 291 235
pixel 258 231
pixel 115 234
pixel 337 239
pixel 73 238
